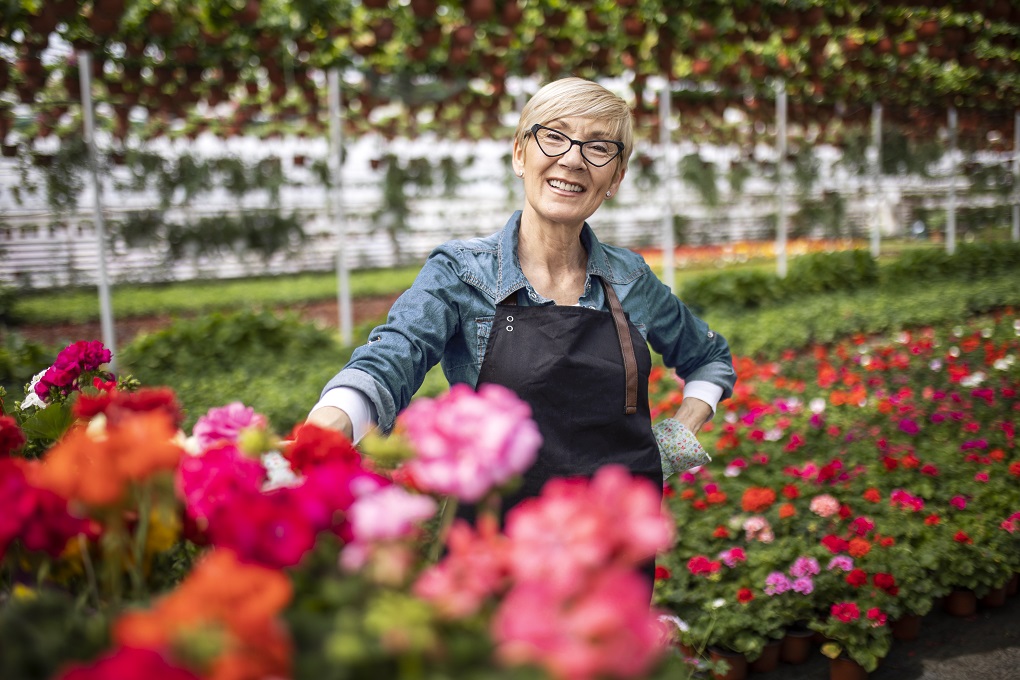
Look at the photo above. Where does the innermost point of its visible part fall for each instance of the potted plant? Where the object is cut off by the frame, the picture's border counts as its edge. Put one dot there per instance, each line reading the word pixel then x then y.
pixel 856 631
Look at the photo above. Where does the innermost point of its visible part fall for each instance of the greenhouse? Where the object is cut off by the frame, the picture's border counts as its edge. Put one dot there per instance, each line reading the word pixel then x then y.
pixel 209 208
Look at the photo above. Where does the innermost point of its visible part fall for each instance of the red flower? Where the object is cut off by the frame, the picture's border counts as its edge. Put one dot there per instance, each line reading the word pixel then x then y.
pixel 857 578
pixel 886 582
pixel 700 565
pixel 873 495
pixel 932 519
pixel 11 436
pixel 876 615
pixel 313 445
pixel 962 537
pixel 745 595
pixel 862 525
pixel 1014 468
pixel 757 499
pixel 662 573
pixel 115 405
pixel 835 544
pixel 790 491
pixel 125 662
pixel 846 611
pixel 699 504
pixel 721 532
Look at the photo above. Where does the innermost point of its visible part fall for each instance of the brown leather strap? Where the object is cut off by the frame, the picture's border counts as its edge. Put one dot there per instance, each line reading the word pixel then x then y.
pixel 626 347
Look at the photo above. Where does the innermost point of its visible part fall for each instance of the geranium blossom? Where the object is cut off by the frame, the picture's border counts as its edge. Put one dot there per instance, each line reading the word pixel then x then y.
pixel 777 583
pixel 125 662
pixel 846 611
pixel 804 566
pixel 208 480
pixel 388 513
pixel 225 423
pixel 606 630
pixel 468 442
pixel 11 436
pixel 80 357
pixel 841 562
pixel 824 505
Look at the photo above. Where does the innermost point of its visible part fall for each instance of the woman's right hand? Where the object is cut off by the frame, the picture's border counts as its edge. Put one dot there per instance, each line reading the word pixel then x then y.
pixel 332 418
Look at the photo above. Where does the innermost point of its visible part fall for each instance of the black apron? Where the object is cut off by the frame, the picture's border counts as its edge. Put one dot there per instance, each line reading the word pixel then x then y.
pixel 584 372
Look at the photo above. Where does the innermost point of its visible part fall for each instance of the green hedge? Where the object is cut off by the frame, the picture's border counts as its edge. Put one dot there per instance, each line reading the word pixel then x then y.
pixel 846 271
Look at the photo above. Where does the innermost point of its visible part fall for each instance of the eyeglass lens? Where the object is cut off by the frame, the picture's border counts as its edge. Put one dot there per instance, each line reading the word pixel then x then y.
pixel 554 143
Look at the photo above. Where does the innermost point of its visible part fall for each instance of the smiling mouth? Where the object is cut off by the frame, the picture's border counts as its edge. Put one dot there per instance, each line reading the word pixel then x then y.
pixel 566 186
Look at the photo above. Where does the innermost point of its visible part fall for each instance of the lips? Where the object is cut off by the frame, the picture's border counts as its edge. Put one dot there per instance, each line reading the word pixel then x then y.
pixel 565 186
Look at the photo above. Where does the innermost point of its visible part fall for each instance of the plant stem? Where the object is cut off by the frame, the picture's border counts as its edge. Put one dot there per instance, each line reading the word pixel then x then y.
pixel 90 572
pixel 141 536
pixel 446 521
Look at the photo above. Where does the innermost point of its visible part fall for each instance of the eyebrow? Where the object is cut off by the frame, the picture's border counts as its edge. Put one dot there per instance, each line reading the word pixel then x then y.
pixel 600 135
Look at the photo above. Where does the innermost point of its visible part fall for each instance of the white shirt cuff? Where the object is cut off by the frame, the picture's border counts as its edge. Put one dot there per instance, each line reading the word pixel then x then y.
pixel 355 404
pixel 710 393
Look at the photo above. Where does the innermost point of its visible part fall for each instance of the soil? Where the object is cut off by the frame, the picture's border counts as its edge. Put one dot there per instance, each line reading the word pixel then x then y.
pixel 324 313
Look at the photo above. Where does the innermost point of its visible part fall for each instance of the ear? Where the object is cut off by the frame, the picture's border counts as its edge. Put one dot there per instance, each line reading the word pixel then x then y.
pixel 518 157
pixel 617 181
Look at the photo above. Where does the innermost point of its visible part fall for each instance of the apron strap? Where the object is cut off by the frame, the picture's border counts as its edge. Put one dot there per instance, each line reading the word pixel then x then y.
pixel 626 343
pixel 626 347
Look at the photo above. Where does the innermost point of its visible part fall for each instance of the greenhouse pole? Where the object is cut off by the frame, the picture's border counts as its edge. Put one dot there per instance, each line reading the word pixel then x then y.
pixel 336 166
pixel 1016 176
pixel 665 138
pixel 105 305
pixel 951 207
pixel 781 178
pixel 876 175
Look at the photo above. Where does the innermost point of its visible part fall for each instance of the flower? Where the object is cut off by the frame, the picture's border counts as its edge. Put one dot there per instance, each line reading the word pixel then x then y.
pixel 125 662
pixel 74 360
pixel 225 423
pixel 388 513
pixel 605 630
pixel 824 505
pixel 776 583
pixel 804 566
pixel 758 499
pixel 845 611
pixel 467 442
pixel 11 436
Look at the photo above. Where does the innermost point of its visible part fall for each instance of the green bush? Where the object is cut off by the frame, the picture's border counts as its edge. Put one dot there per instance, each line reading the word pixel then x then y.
pixel 20 360
pixel 971 260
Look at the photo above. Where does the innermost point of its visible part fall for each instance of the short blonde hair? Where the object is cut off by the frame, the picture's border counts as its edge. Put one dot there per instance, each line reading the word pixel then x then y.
pixel 577 97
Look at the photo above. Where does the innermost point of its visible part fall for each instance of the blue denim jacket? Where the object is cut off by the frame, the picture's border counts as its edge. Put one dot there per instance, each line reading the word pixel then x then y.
pixel 446 316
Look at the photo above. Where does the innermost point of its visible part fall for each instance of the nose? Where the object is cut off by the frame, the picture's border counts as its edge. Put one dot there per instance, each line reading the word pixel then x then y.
pixel 572 158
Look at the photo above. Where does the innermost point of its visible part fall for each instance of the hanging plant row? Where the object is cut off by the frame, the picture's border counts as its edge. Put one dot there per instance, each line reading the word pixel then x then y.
pixel 233 66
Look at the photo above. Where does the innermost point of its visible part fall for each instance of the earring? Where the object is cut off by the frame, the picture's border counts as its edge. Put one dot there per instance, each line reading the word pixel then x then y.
pixel 609 194
pixel 520 173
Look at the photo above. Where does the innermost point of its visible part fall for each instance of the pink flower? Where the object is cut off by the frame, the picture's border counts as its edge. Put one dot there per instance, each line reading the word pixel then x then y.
pixel 126 662
pixel 632 513
pixel 958 502
pixel 476 567
pixel 777 583
pixel 388 513
pixel 467 442
pixel 225 423
pixel 824 505
pixel 267 529
pixel 803 585
pixel 206 481
pixel 981 477
pixel 607 630
pixel 841 562
pixel 733 557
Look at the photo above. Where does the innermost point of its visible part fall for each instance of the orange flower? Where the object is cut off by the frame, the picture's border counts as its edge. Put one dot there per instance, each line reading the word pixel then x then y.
pixel 95 468
pixel 757 499
pixel 223 594
pixel 787 510
pixel 859 547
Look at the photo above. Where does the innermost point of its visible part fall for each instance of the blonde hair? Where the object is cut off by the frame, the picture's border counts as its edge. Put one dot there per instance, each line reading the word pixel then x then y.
pixel 577 97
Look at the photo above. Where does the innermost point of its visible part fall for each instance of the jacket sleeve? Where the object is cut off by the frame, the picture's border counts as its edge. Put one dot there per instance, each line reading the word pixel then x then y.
pixel 392 365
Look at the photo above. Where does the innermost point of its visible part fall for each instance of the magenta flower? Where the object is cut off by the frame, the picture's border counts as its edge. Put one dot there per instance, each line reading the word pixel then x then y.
pixel 468 442
pixel 804 566
pixel 213 478
pixel 733 557
pixel 841 562
pixel 958 502
pixel 777 583
pixel 80 357
pixel 268 529
pixel 607 630
pixel 909 426
pixel 225 423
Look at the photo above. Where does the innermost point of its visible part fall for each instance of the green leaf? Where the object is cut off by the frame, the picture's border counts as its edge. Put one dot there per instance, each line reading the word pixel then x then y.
pixel 49 423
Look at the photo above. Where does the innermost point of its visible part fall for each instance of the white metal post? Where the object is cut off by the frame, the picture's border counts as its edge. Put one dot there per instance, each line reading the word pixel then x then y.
pixel 876 176
pixel 781 178
pixel 666 141
pixel 337 201
pixel 105 305
pixel 951 206
pixel 1016 176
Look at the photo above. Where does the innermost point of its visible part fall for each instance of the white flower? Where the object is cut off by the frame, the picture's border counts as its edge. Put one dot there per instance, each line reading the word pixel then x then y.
pixel 935 365
pixel 732 471
pixel 1004 363
pixel 973 380
pixel 680 624
pixel 278 471
pixel 718 602
pixel 817 405
pixel 32 399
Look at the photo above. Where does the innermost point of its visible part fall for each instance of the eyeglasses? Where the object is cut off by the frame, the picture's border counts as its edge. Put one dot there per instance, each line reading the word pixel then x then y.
pixel 554 143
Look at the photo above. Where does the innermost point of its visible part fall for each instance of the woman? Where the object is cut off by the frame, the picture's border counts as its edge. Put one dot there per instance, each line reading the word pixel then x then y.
pixel 539 307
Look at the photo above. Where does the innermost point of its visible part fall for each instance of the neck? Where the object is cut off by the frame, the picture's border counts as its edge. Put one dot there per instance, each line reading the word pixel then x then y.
pixel 554 261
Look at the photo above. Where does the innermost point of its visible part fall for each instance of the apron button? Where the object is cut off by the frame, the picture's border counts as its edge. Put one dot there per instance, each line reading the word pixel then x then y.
pixel 510 329
pixel 509 318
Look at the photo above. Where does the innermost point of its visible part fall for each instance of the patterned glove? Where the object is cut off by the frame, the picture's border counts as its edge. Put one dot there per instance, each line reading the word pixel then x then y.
pixel 679 449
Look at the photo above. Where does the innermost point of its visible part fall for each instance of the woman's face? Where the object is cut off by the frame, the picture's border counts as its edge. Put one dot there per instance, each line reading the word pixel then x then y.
pixel 566 189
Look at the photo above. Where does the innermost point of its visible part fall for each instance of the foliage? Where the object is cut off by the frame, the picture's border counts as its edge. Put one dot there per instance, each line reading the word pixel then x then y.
pixel 700 175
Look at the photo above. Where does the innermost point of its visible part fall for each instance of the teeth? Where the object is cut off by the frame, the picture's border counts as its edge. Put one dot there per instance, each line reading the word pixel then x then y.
pixel 560 184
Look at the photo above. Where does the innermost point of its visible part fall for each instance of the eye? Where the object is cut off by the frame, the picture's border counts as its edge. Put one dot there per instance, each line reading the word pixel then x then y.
pixel 601 148
pixel 554 136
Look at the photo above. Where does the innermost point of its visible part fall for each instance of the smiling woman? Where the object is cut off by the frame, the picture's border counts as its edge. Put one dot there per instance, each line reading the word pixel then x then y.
pixel 546 310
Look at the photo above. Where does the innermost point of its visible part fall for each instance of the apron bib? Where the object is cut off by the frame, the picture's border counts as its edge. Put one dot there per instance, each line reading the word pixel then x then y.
pixel 584 372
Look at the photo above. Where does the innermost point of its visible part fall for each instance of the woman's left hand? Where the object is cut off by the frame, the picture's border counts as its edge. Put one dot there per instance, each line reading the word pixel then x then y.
pixel 693 413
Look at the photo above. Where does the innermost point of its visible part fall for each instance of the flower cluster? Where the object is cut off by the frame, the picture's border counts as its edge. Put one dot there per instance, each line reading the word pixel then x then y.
pixel 80 358
pixel 566 556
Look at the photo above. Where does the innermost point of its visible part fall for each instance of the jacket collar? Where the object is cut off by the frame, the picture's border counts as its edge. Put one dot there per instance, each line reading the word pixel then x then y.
pixel 511 278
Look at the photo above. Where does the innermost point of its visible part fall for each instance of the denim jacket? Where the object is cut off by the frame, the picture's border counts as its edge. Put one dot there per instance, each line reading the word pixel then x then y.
pixel 447 314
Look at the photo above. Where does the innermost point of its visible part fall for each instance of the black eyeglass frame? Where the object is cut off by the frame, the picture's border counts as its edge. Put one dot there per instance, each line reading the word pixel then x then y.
pixel 538 126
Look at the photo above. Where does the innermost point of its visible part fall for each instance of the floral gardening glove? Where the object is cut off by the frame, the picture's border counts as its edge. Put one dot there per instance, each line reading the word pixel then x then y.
pixel 679 449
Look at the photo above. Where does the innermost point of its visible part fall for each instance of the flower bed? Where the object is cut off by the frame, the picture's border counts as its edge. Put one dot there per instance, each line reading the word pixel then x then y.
pixel 851 485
